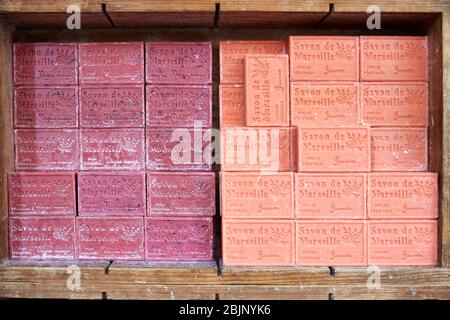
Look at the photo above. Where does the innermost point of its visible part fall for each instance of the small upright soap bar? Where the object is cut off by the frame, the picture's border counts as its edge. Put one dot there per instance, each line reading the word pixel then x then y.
pixel 232 105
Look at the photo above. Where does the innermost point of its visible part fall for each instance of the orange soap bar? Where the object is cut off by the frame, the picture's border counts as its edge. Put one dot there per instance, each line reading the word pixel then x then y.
pixel 317 104
pixel 232 56
pixel 330 196
pixel 256 149
pixel 258 243
pixel 324 58
pixel 232 105
pixel 399 149
pixel 334 149
pixel 254 195
pixel 337 243
pixel 403 195
pixel 394 58
pixel 394 104
pixel 402 243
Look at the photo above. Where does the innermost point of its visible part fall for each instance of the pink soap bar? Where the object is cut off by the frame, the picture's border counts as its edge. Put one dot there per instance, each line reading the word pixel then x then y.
pixel 42 238
pixel 46 107
pixel 231 105
pixel 111 194
pixel 337 243
pixel 179 239
pixel 46 149
pixel 112 149
pixel 45 63
pixel 111 62
pixel 179 106
pixel 177 150
pixel 178 62
pixel 184 194
pixel 403 243
pixel 41 193
pixel 112 106
pixel 110 238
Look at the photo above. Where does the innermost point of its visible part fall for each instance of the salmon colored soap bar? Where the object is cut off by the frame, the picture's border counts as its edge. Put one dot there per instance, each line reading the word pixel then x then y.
pixel 246 195
pixel 399 149
pixel 232 56
pixel 337 243
pixel 318 104
pixel 330 196
pixel 403 243
pixel 324 58
pixel 267 90
pixel 232 105
pixel 403 195
pixel 334 149
pixel 389 58
pixel 394 104
pixel 258 243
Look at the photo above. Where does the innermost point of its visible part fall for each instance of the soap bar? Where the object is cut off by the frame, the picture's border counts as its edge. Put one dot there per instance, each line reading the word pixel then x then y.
pixel 232 57
pixel 179 106
pixel 330 196
pixel 178 62
pixel 179 239
pixel 394 104
pixel 232 105
pixel 112 106
pixel 41 193
pixel 334 149
pixel 322 104
pixel 111 62
pixel 46 149
pixel 399 149
pixel 112 149
pixel 46 107
pixel 45 63
pixel 111 194
pixel 258 242
pixel 324 58
pixel 42 238
pixel 246 195
pixel 337 243
pixel 403 243
pixel 183 194
pixel 403 195
pixel 110 238
pixel 388 58
pixel 267 90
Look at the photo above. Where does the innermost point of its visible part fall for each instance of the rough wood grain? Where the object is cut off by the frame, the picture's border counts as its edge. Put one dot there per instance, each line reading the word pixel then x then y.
pixel 391 293
pixel 273 292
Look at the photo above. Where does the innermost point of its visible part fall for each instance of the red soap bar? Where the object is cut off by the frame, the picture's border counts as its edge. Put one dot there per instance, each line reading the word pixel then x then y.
pixel 46 149
pixel 46 107
pixel 334 149
pixel 41 193
pixel 232 105
pixel 330 196
pixel 324 58
pixel 177 150
pixel 112 106
pixel 403 243
pixel 179 106
pixel 184 194
pixel 394 104
pixel 45 63
pixel 394 58
pixel 337 243
pixel 110 238
pixel 254 195
pixel 42 238
pixel 322 104
pixel 111 62
pixel 399 149
pixel 112 149
pixel 111 194
pixel 179 239
pixel 178 62
pixel 403 195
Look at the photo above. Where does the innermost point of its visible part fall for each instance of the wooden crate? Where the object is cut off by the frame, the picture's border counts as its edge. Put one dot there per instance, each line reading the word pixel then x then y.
pixel 29 20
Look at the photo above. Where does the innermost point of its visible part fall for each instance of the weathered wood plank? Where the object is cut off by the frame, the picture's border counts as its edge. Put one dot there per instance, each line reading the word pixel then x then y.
pixel 264 292
pixel 391 293
pixel 162 292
